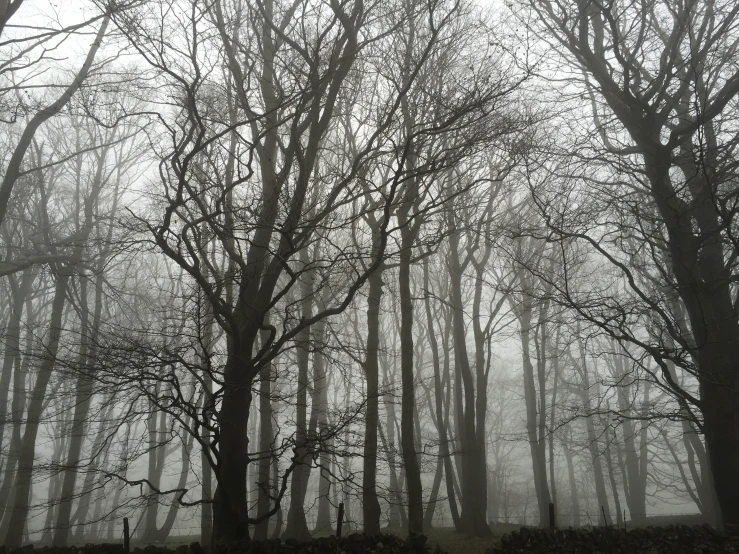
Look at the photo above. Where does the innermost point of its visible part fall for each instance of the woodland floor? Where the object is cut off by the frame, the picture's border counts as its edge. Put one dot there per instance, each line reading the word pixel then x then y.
pixel 457 543
pixel 451 541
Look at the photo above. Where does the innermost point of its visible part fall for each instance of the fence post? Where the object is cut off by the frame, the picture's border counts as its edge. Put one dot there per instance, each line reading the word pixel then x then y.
pixel 126 537
pixel 551 515
pixel 340 519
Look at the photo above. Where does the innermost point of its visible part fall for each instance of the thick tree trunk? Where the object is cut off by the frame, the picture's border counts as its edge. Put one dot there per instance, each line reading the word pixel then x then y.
pixel 698 263
pixel 230 509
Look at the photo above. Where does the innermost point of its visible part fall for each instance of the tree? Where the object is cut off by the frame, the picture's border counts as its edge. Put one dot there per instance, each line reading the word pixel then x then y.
pixel 661 81
pixel 285 183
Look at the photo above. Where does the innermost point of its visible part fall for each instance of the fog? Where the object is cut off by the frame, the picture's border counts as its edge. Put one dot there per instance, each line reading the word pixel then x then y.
pixel 441 263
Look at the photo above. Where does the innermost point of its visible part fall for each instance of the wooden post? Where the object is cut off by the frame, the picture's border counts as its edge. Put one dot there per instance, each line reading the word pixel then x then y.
pixel 126 537
pixel 340 519
pixel 551 515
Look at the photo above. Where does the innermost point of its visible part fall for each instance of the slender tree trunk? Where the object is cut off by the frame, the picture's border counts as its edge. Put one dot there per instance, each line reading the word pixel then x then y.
pixel 26 456
pixel 538 456
pixel 164 531
pixel 83 506
pixel 410 456
pixel 320 414
pixel 448 466
pixel 206 478
pixel 636 498
pixel 474 473
pixel 17 410
pixel 553 413
pixel 370 504
pixel 593 446
pixel 55 479
pixel 11 347
pixel 428 517
pixel 574 497
pixel 266 444
pixel 614 486
pixel 397 515
pixel 297 527
pixel 83 400
pixel 275 486
pixel 97 511
pixel 157 455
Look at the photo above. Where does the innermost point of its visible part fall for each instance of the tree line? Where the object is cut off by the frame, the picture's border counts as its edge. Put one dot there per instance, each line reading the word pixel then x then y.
pixel 262 257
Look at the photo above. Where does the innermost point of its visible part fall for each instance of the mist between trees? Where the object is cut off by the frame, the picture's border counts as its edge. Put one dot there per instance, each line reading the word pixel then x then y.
pixel 443 262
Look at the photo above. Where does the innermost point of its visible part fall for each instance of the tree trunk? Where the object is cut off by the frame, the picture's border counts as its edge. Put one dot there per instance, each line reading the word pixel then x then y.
pixel 230 509
pixel 266 444
pixel 319 416
pixel 474 472
pixel 410 457
pixel 20 507
pixel 163 532
pixel 636 494
pixel 370 504
pixel 614 486
pixel 428 517
pixel 82 402
pixel 537 447
pixel 574 497
pixel 444 439
pixel 297 527
pixel 157 456
pixel 11 348
pixel 275 486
